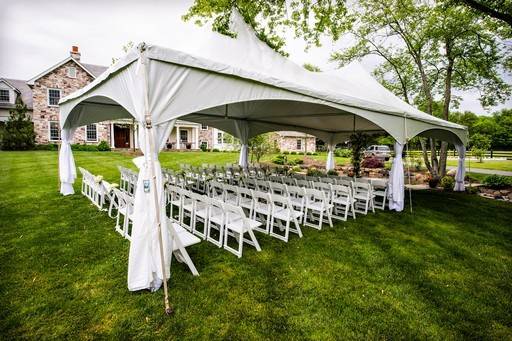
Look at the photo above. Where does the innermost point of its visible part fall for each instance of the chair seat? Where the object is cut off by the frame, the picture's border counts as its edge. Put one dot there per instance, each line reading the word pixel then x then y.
pixel 184 236
pixel 216 215
pixel 318 206
pixel 342 200
pixel 260 207
pixel 282 214
pixel 363 196
pixel 236 223
pixel 245 202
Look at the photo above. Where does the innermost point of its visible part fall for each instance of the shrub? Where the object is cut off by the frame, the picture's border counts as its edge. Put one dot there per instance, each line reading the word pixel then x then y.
pixel 315 172
pixel 314 153
pixel 50 146
pixel 279 159
pixel 372 162
pixel 296 169
pixel 103 146
pixel 332 172
pixel 18 132
pixel 286 152
pixel 203 147
pixel 447 182
pixel 343 152
pixel 215 150
pixel 293 153
pixel 433 182
pixel 497 181
pixel 299 161
pixel 300 153
pixel 309 153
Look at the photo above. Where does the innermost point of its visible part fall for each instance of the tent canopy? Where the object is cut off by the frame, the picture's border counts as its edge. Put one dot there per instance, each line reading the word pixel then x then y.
pixel 232 83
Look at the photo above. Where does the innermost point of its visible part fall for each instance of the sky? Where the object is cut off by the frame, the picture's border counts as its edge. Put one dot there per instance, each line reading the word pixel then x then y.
pixel 35 35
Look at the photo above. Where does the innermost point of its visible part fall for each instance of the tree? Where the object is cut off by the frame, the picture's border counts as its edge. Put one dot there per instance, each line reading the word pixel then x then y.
pixel 125 48
pixel 358 142
pixel 259 146
pixel 19 130
pixel 480 143
pixel 270 19
pixel 311 67
pixel 427 51
pixel 498 9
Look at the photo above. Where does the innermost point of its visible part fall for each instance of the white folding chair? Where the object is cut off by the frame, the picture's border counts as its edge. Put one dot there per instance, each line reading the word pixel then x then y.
pixel 263 185
pixel 215 190
pixel 230 194
pixel 262 210
pixel 245 199
pixel 276 178
pixel 363 196
pixel 318 209
pixel 216 222
pixel 289 181
pixel 237 225
pixel 250 183
pixel 200 215
pixel 297 197
pixel 125 209
pixel 303 183
pixel 342 202
pixel 278 188
pixel 380 190
pixel 283 214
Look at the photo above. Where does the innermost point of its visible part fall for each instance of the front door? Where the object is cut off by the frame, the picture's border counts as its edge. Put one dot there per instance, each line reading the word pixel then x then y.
pixel 121 137
pixel 184 136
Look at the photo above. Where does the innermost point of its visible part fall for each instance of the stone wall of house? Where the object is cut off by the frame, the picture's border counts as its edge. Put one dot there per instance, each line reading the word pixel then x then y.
pixel 207 136
pixel 289 143
pixel 43 114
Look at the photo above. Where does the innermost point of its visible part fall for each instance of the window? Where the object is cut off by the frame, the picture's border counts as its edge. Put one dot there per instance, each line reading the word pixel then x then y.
pixel 72 72
pixel 204 127
pixel 53 97
pixel 54 131
pixel 299 144
pixel 92 132
pixel 4 95
pixel 219 138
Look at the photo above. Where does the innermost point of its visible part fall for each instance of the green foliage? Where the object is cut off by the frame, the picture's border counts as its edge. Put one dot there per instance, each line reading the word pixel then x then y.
pixel 447 182
pixel 343 152
pixel 269 19
pixel 286 152
pixel 358 143
pixel 293 153
pixel 279 159
pixel 312 171
pixel 311 67
pixel 260 145
pixel 332 172
pixel 497 181
pixel 84 147
pixel 18 132
pixel 103 146
pixel 215 150
pixel 49 146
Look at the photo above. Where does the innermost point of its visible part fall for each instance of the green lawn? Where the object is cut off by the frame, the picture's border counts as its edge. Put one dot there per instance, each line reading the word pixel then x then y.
pixel 443 272
pixel 505 165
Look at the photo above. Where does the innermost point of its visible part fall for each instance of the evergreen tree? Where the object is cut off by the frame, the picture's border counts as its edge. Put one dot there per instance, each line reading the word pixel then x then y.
pixel 18 132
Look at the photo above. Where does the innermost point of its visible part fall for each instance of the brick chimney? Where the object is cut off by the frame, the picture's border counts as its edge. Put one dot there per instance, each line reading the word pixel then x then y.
pixel 74 53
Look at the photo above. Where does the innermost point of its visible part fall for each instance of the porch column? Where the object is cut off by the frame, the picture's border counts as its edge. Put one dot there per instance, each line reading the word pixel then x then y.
pixel 112 140
pixel 178 142
pixel 196 141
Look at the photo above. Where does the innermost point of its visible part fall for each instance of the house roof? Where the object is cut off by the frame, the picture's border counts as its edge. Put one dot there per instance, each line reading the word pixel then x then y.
pixel 292 134
pixel 24 90
pixel 93 70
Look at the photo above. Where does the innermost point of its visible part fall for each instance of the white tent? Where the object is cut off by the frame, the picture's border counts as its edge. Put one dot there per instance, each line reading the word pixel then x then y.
pixel 245 88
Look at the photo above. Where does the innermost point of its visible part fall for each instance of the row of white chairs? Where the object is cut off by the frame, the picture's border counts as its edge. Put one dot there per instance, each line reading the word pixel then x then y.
pixel 220 221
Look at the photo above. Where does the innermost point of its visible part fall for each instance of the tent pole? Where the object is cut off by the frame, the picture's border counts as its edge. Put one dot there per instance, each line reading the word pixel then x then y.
pixel 408 162
pixel 151 139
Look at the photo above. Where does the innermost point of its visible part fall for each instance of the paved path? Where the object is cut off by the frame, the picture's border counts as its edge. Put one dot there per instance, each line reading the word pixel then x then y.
pixel 485 171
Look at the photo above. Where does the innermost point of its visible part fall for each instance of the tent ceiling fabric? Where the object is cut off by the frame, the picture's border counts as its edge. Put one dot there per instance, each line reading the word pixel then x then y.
pixel 218 80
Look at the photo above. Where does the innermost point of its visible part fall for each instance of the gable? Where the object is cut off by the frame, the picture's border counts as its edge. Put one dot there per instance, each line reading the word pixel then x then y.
pixel 60 64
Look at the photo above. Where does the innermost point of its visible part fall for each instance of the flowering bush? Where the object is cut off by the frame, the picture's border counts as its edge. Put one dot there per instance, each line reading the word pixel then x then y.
pixel 372 162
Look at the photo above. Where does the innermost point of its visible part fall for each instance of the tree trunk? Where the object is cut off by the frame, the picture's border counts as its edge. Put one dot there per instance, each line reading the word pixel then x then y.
pixel 446 105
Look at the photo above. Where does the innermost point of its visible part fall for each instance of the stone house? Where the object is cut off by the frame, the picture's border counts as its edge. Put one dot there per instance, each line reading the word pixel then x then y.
pixel 42 93
pixel 293 141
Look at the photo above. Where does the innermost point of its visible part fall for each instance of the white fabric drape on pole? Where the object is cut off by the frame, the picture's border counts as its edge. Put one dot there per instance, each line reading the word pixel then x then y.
pixel 144 269
pixel 396 190
pixel 461 168
pixel 330 163
pixel 67 169
pixel 242 132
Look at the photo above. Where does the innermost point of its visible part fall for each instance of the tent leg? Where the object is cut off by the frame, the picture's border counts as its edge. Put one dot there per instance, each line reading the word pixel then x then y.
pixel 150 137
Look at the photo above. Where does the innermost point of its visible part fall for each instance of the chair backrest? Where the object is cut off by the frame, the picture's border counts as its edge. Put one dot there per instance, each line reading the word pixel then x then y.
pixel 303 183
pixel 324 187
pixel 230 191
pixel 261 197
pixel 312 178
pixel 379 183
pixel 250 183
pixel 289 181
pixel 344 182
pixel 215 189
pixel 276 178
pixel 361 188
pixel 341 191
pixel 263 185
pixel 234 213
pixel 315 195
pixel 328 180
pixel 278 188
